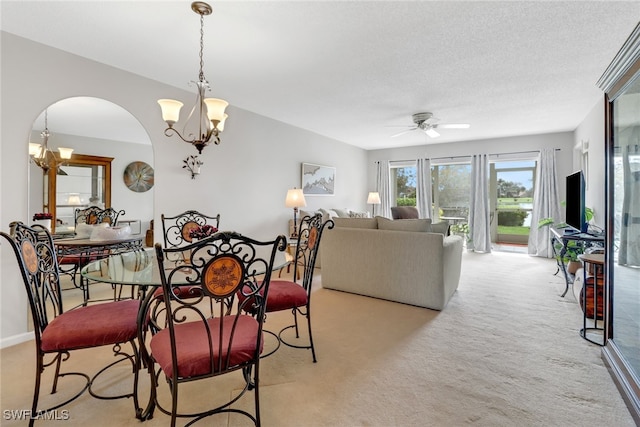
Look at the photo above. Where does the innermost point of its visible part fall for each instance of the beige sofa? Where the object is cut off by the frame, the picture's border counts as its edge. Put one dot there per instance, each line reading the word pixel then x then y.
pixel 374 257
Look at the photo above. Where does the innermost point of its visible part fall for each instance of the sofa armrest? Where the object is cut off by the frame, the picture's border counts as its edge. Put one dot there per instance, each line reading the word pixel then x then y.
pixel 452 260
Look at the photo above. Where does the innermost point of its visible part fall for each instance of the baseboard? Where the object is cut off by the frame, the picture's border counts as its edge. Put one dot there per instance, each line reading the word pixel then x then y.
pixel 16 339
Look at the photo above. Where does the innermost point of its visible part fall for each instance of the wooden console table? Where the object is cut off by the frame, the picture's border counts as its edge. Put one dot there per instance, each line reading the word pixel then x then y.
pixel 560 237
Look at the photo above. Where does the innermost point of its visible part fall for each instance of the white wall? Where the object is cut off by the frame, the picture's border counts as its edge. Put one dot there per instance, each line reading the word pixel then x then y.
pixel 244 179
pixel 591 133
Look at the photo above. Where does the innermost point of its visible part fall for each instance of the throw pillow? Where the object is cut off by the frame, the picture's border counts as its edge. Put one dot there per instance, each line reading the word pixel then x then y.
pixel 423 225
pixel 353 214
pixel 342 213
pixel 370 223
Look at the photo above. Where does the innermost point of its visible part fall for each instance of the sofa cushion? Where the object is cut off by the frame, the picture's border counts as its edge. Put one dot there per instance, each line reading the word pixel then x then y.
pixel 404 224
pixel 440 227
pixel 371 223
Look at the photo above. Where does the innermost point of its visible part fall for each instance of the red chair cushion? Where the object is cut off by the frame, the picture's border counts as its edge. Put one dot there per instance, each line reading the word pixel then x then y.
pixel 285 295
pixel 193 345
pixel 182 292
pixel 92 326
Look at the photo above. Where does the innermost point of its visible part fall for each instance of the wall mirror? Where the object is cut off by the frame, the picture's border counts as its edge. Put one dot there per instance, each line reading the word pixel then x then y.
pixel 621 83
pixel 105 138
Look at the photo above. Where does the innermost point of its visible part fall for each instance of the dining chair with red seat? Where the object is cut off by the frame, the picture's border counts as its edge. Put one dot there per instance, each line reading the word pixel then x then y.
pixel 188 341
pixel 293 295
pixel 58 332
pixel 177 230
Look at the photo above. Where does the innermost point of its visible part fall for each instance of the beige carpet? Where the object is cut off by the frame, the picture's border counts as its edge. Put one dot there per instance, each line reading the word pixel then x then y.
pixel 505 352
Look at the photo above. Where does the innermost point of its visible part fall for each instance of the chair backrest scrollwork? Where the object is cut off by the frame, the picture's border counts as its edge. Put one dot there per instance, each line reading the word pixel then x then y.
pixel 38 264
pixel 176 229
pixel 95 215
pixel 309 235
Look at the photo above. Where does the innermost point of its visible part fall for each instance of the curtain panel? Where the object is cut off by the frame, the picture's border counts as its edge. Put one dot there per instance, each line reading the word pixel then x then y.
pixel 382 187
pixel 479 219
pixel 546 204
pixel 423 187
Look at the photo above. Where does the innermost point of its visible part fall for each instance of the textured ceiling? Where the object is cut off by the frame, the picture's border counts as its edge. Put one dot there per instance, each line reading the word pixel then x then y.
pixel 356 71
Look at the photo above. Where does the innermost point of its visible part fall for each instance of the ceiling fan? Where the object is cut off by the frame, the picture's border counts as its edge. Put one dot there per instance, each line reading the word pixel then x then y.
pixel 428 124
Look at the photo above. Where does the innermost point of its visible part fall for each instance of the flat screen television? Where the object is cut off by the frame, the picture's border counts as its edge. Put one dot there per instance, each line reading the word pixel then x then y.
pixel 575 206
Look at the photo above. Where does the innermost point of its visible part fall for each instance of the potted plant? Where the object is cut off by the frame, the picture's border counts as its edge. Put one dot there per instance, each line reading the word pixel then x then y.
pixel 462 229
pixel 573 248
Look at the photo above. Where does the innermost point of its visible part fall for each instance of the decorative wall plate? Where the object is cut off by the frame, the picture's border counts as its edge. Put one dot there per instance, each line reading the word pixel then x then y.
pixel 138 177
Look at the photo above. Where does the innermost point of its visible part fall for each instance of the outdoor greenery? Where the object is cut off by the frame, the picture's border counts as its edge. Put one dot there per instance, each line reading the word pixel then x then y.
pixel 512 218
pixel 520 231
pixel 406 185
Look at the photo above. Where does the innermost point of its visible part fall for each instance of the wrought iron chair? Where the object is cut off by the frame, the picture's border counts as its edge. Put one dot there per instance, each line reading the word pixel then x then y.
pixel 71 264
pixel 176 230
pixel 189 342
pixel 96 215
pixel 294 296
pixel 59 332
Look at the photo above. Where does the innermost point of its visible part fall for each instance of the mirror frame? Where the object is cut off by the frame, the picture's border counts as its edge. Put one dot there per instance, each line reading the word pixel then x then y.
pixel 76 160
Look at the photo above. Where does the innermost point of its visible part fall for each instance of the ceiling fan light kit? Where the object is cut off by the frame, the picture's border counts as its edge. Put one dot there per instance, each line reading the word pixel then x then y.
pixel 427 123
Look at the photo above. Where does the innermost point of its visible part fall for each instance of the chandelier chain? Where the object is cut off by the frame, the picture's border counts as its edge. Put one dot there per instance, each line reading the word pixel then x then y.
pixel 202 47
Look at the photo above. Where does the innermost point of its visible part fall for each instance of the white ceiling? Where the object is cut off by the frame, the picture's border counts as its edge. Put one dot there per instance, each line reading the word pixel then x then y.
pixel 354 70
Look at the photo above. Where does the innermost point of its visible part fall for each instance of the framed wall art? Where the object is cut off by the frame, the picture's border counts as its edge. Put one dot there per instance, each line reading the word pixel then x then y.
pixel 318 180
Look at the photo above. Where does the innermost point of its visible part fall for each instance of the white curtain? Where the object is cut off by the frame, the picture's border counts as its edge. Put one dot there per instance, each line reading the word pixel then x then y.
pixel 546 204
pixel 382 187
pixel 423 187
pixel 479 225
pixel 629 253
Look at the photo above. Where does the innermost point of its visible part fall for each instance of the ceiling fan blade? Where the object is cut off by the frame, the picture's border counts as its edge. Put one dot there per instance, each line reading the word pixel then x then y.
pixel 432 133
pixel 454 126
pixel 404 131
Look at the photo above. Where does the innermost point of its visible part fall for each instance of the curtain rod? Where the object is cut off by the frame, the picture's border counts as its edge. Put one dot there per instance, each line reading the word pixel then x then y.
pixel 470 155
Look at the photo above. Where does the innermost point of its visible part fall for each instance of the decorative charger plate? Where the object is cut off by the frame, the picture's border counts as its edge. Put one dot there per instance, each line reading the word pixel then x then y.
pixel 138 177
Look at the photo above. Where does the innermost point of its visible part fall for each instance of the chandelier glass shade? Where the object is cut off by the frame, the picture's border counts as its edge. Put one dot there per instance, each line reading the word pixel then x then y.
pixel 210 112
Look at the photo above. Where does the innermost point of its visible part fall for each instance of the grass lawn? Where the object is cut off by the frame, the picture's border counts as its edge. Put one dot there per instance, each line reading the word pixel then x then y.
pixel 520 231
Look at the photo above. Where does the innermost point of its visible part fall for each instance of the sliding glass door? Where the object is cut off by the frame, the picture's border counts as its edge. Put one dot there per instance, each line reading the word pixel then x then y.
pixel 511 190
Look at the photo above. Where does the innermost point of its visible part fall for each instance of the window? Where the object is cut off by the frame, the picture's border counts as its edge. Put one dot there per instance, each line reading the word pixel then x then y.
pixel 403 184
pixel 451 192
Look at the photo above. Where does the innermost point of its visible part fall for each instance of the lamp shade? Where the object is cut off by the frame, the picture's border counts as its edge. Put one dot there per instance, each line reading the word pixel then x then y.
pixel 35 149
pixel 221 124
pixel 65 153
pixel 374 198
pixel 170 110
pixel 215 108
pixel 295 198
pixel 74 199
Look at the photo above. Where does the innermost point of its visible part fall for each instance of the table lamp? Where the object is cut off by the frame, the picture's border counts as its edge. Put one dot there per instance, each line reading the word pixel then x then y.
pixel 295 199
pixel 373 199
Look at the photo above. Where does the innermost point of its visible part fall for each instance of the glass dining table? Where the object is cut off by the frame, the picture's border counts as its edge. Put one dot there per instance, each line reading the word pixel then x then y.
pixel 140 269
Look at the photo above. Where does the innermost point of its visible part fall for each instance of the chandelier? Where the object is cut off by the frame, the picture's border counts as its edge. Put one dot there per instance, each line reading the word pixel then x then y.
pixel 209 111
pixel 42 156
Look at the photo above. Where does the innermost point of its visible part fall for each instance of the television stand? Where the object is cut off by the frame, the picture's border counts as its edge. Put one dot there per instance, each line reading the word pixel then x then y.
pixel 563 242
